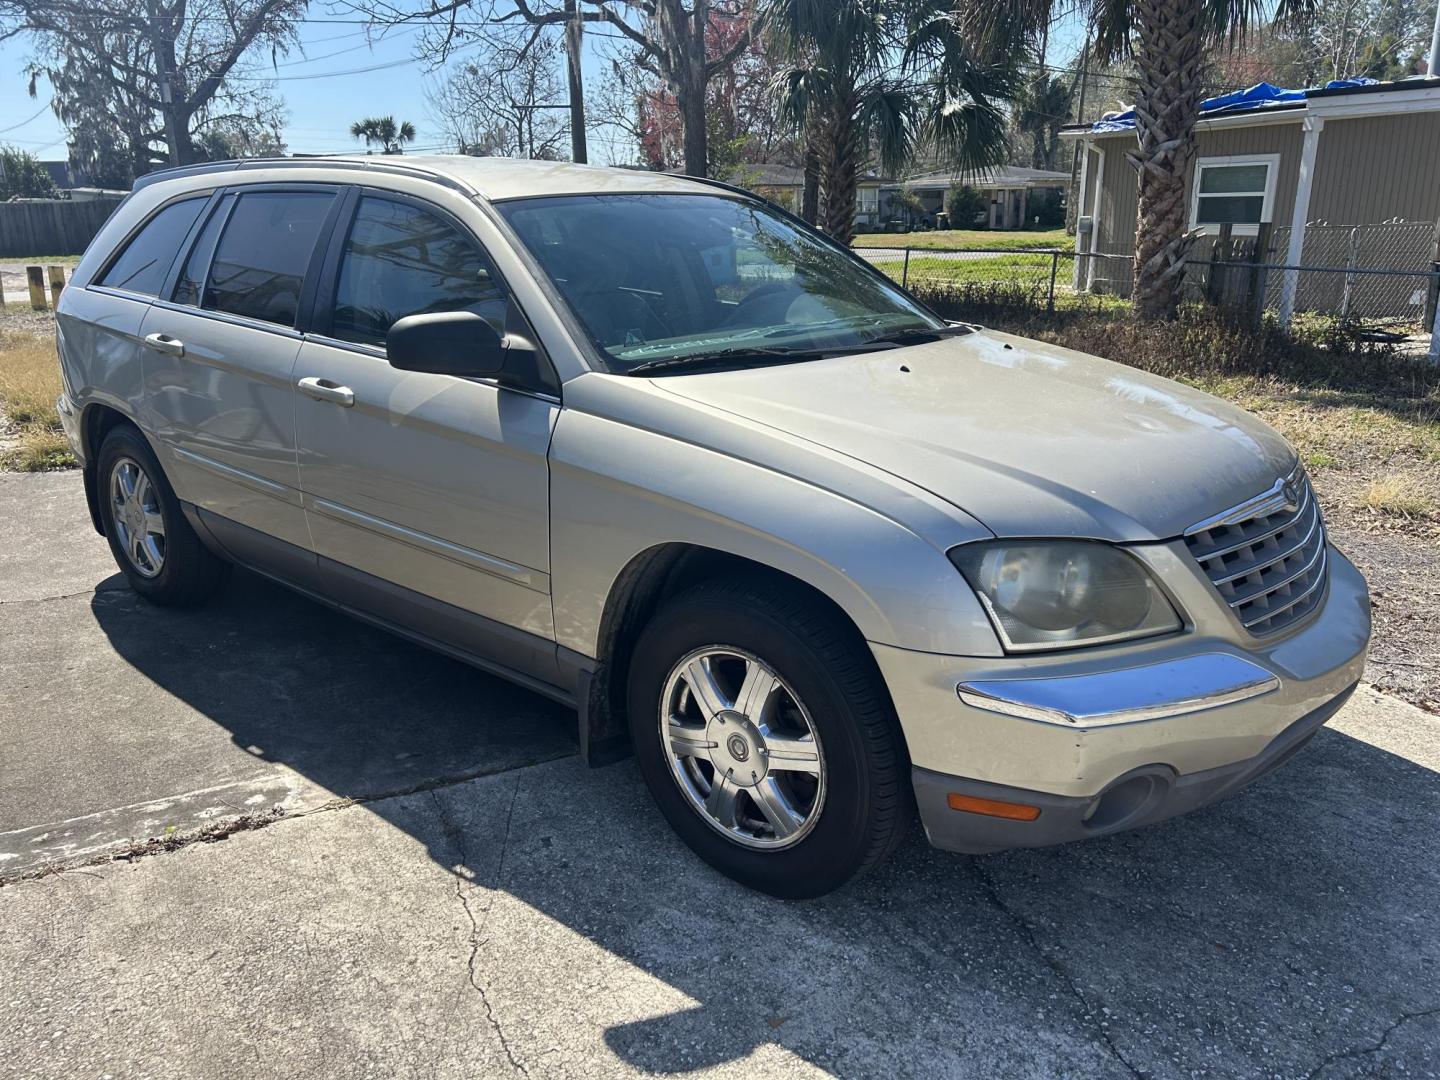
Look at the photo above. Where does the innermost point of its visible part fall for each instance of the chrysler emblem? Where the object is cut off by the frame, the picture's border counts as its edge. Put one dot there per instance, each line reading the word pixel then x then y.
pixel 738 747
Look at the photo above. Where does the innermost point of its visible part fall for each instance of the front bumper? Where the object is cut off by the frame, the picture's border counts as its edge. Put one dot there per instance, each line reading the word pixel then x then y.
pixel 1125 735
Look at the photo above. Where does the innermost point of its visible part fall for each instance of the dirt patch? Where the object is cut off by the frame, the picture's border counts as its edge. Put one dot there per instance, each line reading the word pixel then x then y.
pixel 1404 576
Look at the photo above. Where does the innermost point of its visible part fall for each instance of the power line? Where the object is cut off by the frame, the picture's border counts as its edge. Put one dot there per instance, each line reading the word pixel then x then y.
pixel 22 123
pixel 326 74
pixel 327 56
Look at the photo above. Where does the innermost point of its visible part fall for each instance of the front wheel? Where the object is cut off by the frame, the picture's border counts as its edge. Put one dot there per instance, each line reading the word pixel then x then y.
pixel 766 736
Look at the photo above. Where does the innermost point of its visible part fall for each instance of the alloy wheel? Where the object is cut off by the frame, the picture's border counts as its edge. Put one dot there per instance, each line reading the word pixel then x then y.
pixel 135 512
pixel 742 747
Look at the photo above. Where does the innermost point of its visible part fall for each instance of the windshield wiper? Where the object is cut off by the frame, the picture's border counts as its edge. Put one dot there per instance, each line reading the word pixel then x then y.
pixel 904 337
pixel 756 355
pixel 744 357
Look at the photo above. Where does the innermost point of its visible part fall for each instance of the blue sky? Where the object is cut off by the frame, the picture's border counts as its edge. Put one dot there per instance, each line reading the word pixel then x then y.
pixel 321 109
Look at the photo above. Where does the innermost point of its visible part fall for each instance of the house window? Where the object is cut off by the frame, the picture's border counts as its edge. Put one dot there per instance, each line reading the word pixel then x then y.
pixel 1237 191
pixel 869 200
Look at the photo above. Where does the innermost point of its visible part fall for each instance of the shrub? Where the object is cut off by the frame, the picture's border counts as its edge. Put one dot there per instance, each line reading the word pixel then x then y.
pixel 23 177
pixel 1045 209
pixel 966 206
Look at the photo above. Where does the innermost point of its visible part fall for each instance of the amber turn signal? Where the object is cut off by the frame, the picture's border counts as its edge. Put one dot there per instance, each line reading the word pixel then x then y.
pixel 1014 811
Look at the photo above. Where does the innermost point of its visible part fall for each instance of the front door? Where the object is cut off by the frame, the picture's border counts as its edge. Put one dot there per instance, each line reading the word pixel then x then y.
pixel 433 483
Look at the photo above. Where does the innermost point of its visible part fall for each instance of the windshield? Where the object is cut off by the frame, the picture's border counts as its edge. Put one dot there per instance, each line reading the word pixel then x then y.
pixel 661 277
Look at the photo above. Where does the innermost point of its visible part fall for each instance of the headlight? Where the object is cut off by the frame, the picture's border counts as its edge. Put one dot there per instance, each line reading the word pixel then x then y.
pixel 1049 594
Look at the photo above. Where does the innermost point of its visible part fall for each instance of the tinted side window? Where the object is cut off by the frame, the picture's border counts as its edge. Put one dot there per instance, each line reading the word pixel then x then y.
pixel 400 260
pixel 260 262
pixel 192 277
pixel 142 266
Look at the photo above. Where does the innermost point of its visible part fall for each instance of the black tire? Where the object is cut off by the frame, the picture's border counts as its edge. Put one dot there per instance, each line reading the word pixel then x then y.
pixel 188 572
pixel 868 801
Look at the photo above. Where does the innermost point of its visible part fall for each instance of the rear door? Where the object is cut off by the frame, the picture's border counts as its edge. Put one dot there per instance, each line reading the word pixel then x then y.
pixel 98 327
pixel 433 483
pixel 221 354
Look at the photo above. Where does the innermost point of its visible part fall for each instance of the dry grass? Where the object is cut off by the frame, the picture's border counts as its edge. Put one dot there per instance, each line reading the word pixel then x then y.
pixel 1401 496
pixel 29 384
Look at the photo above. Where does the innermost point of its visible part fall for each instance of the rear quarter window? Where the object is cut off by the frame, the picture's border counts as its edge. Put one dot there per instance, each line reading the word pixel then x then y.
pixel 145 261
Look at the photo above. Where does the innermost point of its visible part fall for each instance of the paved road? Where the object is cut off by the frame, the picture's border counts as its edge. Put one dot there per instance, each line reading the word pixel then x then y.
pixel 537 919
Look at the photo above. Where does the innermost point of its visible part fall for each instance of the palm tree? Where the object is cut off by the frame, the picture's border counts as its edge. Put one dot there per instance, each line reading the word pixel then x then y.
pixel 885 76
pixel 1169 41
pixel 1040 112
pixel 382 130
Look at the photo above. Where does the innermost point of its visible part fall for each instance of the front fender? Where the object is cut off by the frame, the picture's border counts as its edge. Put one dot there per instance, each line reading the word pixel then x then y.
pixel 618 489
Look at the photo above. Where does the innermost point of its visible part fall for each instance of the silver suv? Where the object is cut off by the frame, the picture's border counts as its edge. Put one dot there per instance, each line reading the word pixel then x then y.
pixel 655 449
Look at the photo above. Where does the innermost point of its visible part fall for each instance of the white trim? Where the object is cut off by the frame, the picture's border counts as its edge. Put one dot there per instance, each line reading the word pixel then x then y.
pixel 1272 171
pixel 1251 118
pixel 1300 216
pixel 1078 267
pixel 1099 151
pixel 1385 102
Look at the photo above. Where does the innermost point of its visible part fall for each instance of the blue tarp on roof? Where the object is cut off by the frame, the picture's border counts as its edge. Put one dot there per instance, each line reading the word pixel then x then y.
pixel 1260 96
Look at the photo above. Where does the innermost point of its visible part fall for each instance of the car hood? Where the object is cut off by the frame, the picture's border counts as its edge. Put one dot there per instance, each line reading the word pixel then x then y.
pixel 1028 438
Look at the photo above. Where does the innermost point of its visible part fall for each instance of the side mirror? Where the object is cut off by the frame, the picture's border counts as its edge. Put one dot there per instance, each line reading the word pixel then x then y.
pixel 446 343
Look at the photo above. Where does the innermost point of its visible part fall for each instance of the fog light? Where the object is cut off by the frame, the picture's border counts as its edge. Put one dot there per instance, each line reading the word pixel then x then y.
pixel 1012 811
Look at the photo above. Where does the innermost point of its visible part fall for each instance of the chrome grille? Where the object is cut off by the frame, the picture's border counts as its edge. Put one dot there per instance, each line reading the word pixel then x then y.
pixel 1266 556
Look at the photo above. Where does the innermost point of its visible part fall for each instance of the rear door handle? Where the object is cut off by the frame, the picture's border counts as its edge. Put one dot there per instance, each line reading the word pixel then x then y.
pixel 325 390
pixel 166 344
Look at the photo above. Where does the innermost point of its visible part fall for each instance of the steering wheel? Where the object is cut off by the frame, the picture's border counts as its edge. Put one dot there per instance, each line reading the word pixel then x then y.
pixel 777 294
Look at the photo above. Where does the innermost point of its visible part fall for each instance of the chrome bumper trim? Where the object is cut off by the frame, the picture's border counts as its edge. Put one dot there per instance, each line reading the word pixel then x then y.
pixel 1130 695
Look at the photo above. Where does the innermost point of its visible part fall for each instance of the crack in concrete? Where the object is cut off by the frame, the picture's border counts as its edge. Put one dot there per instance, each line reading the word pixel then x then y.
pixel 1088 1011
pixel 221 830
pixel 92 591
pixel 477 926
pixel 1346 1055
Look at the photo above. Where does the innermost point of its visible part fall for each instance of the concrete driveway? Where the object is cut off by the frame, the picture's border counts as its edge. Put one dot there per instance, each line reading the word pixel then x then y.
pixel 369 861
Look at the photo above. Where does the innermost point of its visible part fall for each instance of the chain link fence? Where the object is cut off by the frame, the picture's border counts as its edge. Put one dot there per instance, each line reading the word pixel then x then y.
pixel 1383 275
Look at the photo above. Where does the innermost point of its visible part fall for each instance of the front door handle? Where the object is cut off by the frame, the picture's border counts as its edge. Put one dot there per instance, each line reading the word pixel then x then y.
pixel 166 344
pixel 325 390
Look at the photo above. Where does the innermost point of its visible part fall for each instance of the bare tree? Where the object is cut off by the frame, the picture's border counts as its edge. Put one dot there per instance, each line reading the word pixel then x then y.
pixel 508 103
pixel 171 57
pixel 669 37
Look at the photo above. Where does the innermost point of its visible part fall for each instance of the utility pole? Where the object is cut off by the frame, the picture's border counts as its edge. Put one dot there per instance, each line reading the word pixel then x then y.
pixel 162 45
pixel 574 37
pixel 1072 213
pixel 1430 68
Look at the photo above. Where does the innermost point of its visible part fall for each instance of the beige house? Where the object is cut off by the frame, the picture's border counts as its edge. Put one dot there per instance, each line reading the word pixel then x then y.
pixel 1319 161
pixel 1008 188
pixel 784 184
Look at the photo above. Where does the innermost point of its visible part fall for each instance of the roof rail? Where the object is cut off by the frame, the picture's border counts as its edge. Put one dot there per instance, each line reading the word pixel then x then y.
pixel 247 164
pixel 182 170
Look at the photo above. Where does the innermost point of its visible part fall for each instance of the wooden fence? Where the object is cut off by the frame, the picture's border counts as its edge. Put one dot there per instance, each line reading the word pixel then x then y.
pixel 40 227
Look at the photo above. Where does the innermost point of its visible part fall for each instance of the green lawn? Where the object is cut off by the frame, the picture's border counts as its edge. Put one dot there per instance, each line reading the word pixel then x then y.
pixel 969 238
pixel 1017 269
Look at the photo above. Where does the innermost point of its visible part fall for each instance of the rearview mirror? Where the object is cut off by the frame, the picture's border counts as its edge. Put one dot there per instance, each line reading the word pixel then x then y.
pixel 446 343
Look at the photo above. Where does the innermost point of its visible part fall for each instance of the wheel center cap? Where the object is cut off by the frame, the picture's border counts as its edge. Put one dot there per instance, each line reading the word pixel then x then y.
pixel 739 748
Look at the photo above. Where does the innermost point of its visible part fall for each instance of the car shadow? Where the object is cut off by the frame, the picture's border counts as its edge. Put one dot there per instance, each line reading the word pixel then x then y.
pixel 1291 928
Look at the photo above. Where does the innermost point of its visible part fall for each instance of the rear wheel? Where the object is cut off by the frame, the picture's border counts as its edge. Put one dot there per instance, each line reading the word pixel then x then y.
pixel 766 736
pixel 152 543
